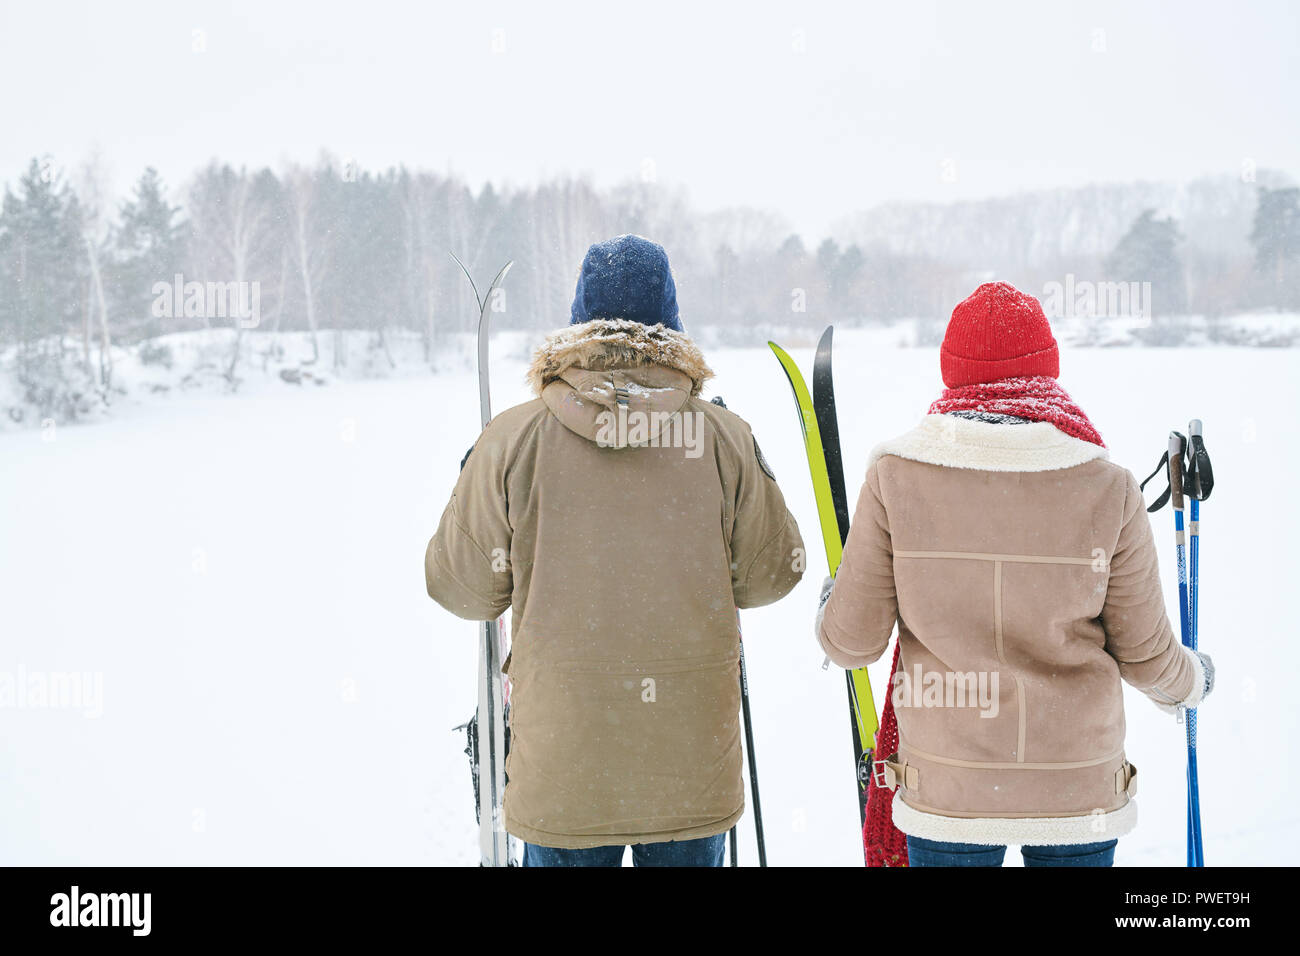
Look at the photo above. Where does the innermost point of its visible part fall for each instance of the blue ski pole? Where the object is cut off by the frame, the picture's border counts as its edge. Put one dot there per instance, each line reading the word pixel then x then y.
pixel 1195 854
pixel 1187 465
pixel 1177 452
pixel 1198 484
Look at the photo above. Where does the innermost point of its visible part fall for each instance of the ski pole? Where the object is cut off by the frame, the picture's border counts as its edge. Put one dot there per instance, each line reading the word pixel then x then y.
pixel 1195 853
pixel 749 739
pixel 1177 446
pixel 753 768
pixel 1177 449
pixel 1198 486
pixel 1189 471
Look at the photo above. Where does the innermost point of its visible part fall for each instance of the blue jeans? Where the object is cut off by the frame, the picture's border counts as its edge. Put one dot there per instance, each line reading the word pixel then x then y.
pixel 934 853
pixel 707 851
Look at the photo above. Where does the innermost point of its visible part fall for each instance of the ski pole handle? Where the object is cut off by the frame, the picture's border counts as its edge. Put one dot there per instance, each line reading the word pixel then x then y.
pixel 1176 470
pixel 1199 480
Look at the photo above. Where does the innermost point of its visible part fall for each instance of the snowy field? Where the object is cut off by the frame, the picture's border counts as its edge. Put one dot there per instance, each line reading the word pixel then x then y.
pixel 246 575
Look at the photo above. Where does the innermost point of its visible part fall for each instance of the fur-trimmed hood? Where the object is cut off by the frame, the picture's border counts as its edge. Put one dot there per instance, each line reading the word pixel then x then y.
pixel 622 344
pixel 616 382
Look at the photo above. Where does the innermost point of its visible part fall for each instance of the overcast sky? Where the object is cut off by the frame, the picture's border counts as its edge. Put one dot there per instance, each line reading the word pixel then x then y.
pixel 808 109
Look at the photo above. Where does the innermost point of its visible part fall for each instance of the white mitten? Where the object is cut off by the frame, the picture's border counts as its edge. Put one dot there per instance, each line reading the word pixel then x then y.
pixel 1204 668
pixel 821 606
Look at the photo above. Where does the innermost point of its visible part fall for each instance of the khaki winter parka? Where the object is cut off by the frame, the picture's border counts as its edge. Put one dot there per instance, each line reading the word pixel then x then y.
pixel 623 519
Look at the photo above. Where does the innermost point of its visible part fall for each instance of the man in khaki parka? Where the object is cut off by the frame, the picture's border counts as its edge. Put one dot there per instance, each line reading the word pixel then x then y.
pixel 636 518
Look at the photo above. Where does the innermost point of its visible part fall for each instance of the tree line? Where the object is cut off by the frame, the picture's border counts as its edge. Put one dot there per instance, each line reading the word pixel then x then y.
pixel 330 248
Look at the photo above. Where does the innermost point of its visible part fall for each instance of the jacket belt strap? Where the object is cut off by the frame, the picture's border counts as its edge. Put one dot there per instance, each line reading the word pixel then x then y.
pixel 890 772
pixel 1126 779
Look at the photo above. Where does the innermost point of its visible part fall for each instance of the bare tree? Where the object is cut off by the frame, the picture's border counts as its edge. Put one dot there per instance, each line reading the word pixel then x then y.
pixel 308 241
pixel 96 235
pixel 232 217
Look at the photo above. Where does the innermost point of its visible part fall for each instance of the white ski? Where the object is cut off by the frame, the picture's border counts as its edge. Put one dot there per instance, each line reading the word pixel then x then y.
pixel 496 846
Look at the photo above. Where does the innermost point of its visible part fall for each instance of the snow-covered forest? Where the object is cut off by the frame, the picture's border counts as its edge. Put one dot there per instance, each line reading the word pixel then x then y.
pixel 331 270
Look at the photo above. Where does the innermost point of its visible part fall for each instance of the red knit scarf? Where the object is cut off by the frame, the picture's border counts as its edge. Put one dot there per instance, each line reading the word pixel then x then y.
pixel 1039 399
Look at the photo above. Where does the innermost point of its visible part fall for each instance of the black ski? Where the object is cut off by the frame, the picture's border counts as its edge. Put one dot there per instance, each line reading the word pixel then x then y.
pixel 823 396
pixel 818 421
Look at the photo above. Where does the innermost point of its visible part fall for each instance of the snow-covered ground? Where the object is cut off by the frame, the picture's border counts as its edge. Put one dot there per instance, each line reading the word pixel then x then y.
pixel 245 575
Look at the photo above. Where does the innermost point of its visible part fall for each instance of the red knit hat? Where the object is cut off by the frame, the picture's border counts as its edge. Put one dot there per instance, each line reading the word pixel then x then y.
pixel 997 332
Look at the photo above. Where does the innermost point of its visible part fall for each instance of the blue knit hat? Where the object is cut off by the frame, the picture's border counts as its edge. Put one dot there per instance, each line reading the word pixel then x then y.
pixel 626 277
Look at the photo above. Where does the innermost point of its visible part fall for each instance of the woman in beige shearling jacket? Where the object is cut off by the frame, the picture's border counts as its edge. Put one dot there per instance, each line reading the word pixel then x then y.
pixel 1019 567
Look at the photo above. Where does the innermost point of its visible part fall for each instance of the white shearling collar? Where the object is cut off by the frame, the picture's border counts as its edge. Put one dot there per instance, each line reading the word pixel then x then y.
pixel 986 446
